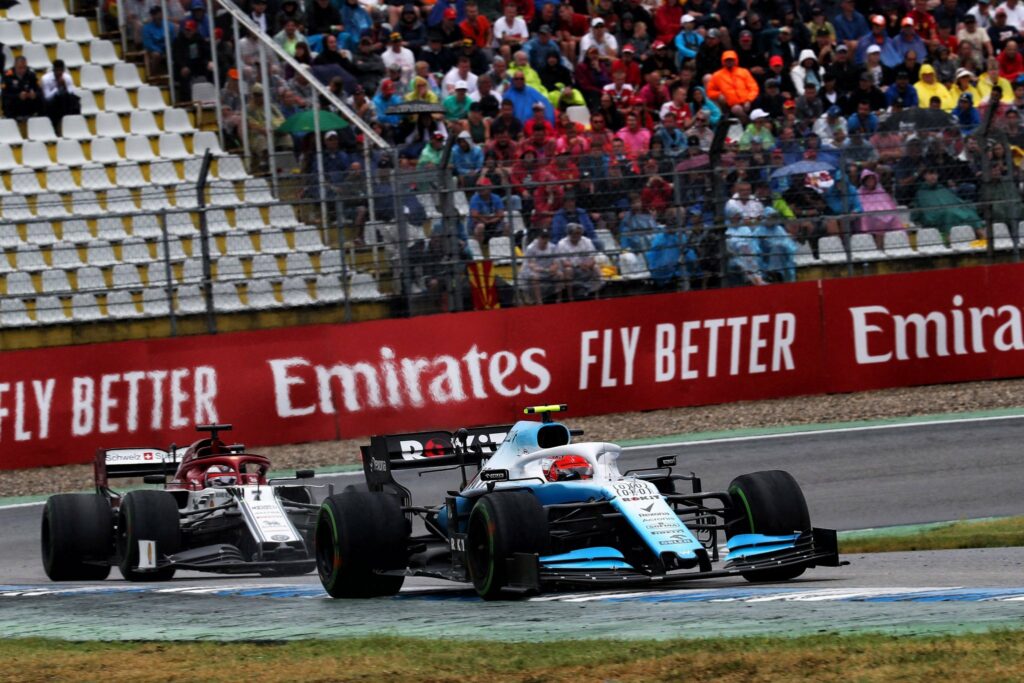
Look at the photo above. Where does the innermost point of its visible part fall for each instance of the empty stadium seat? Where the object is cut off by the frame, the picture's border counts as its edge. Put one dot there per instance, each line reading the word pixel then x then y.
pixel 84 307
pixel 110 228
pixel 274 242
pixel 222 193
pixel 142 122
pixel 154 302
pixel 50 311
pixel 34 154
pixel 265 266
pixel 864 248
pixel 261 295
pixel 126 276
pixel 92 77
pixel 65 256
pixel 84 203
pixel 103 150
pixel 15 208
pixel 20 284
pixel 55 282
pixel 146 226
pixel 135 250
pixel 121 201
pixel 257 191
pixel 78 30
pixel 1001 238
pixel 50 205
pixel 500 248
pixel 71 53
pixel 173 147
pixel 10 134
pixel 126 76
pixel 7 161
pixel 95 177
pixel 831 249
pixel 362 286
pixel 60 179
pixel 21 12
pixel 249 218
pixel 217 222
pixel 282 216
pixel 120 304
pixel 295 292
pixel 101 52
pixel 53 9
pixel 108 124
pixel 299 264
pixel 40 128
pixel 205 140
pixel 129 174
pixel 137 148
pixel 897 244
pixel 14 314
pixel 117 100
pixel 69 152
pixel 632 266
pixel 307 238
pixel 43 32
pixel 40 232
pixel 151 99
pixel 930 242
pixel 87 103
pixel 163 172
pixel 90 279
pixel 239 244
pixel 328 289
pixel 225 297
pixel 100 254
pixel 75 231
pixel 11 34
pixel 177 121
pixel 962 238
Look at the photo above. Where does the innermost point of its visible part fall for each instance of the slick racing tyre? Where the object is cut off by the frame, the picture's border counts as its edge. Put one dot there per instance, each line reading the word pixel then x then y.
pixel 78 528
pixel 768 503
pixel 502 524
pixel 147 516
pixel 357 534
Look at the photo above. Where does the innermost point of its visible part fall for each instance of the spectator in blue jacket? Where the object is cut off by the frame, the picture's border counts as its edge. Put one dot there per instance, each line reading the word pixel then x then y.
pixel 523 97
pixel 571 213
pixel 467 159
pixel 155 35
pixel 902 91
pixel 688 41
pixel 850 24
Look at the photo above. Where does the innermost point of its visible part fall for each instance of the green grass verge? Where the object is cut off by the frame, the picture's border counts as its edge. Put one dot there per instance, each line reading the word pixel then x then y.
pixel 999 654
pixel 987 533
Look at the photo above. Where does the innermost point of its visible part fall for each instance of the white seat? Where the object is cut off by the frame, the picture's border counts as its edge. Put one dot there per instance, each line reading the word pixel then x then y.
pixel 102 52
pixel 75 231
pixel 9 239
pixel 307 238
pixel 172 146
pixel 78 30
pixel 225 297
pixel 40 232
pixel 11 34
pixel 185 197
pixel 154 302
pixel 50 205
pixel 930 242
pixel 1001 238
pixel 65 255
pixel 121 201
pixel 239 244
pixel 117 100
pixel 93 77
pixel 37 57
pixel 104 151
pixel 328 289
pixel 249 218
pixel 69 151
pixel 299 264
pixel 897 244
pixel 87 103
pixel 864 248
pixel 154 199
pixel 40 128
pixel 44 32
pixel 100 254
pixel 20 284
pixel 177 121
pixel 204 93
pixel 50 311
pixel 362 287
pixel 282 215
pixel 229 268
pixel 265 266
pixel 71 53
pixel 175 252
pixel 831 249
pixel 192 270
pixel 135 250
pixel 53 9
pixel 295 292
pixel 7 161
pixel 126 276
pixel 29 258
pixel 231 168
pixel 34 154
pixel 84 307
pixel 84 203
pixel 222 193
pixel 10 133
pixel 15 208
pixel 475 250
pixel 501 250
pixel 143 122
pixel 192 167
pixel 129 174
pixel 163 172
pixel 206 140
pixel 146 226
pixel 120 304
pixel 631 266
pixel 190 300
pixel 59 179
pixel 90 279
pixel 14 314
pixel 579 114
pixel 179 224
pixel 274 242
pixel 95 177
pixel 74 128
pixel 151 99
pixel 111 229
pixel 55 282
pixel 962 238
pixel 21 12
pixel 137 148
pixel 261 294
pixel 257 191
pixel 108 124
pixel 126 76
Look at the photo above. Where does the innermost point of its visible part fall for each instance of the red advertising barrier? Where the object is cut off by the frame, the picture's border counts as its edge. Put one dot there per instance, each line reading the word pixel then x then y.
pixel 321 382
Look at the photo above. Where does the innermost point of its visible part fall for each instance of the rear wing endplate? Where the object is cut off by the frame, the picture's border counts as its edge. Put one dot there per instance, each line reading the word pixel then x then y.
pixel 121 463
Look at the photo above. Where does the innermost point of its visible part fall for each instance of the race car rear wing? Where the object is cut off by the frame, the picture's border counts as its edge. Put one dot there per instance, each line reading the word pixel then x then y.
pixel 416 450
pixel 121 463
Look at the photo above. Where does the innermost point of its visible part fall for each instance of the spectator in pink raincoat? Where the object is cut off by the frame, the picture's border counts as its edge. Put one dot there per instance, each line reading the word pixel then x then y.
pixel 880 209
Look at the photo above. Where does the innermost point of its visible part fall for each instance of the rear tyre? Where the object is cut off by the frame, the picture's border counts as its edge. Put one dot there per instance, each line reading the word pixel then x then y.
pixel 500 525
pixel 78 529
pixel 357 534
pixel 147 516
pixel 768 503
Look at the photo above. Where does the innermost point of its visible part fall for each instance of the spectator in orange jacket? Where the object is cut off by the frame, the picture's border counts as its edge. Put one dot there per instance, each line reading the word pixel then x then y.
pixel 732 86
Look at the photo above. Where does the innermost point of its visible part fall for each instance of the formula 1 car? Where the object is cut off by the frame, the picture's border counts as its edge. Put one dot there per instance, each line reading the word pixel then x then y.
pixel 219 513
pixel 542 512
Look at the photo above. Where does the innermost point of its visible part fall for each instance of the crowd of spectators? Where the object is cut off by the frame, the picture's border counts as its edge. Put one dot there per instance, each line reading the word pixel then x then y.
pixel 599 115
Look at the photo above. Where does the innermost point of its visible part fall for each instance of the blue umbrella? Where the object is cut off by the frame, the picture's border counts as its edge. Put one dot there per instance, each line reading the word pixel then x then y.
pixel 802 168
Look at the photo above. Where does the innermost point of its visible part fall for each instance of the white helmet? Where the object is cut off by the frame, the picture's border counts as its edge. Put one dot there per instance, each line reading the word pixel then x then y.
pixel 213 480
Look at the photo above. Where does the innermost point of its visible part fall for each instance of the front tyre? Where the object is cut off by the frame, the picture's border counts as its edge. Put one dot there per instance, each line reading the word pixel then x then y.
pixel 357 534
pixel 77 537
pixel 147 516
pixel 769 503
pixel 502 524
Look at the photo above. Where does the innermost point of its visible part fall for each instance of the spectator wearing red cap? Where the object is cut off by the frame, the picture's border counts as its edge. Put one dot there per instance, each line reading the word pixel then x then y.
pixel 778 72
pixel 629 65
pixel 451 33
pixel 907 40
pixel 190 53
pixel 878 36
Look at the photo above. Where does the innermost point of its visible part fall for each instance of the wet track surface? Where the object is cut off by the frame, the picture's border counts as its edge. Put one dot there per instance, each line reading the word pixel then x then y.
pixel 852 480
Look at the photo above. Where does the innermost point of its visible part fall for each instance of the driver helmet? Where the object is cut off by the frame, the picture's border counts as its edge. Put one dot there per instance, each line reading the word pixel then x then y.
pixel 214 480
pixel 568 468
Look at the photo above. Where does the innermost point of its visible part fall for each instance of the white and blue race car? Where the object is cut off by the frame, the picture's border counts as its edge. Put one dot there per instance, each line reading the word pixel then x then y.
pixel 543 512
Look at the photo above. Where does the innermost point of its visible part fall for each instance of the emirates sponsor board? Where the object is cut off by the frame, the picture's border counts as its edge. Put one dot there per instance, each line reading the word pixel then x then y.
pixel 314 383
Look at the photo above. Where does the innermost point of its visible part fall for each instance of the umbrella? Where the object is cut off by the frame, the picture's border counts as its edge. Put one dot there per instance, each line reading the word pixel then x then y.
pixel 304 123
pixel 802 168
pixel 917 119
pixel 325 73
pixel 415 107
pixel 8 4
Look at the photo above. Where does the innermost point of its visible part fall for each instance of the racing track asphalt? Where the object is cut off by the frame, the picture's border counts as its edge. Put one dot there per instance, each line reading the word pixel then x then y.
pixel 916 473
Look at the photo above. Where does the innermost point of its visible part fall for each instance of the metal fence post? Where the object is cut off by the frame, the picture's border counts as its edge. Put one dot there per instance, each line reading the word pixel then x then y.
pixel 170 57
pixel 243 108
pixel 343 276
pixel 204 243
pixel 216 75
pixel 268 114
pixel 398 197
pixel 318 141
pixel 168 274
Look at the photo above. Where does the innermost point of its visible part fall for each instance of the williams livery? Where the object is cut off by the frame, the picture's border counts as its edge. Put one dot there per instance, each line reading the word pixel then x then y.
pixel 535 510
pixel 219 513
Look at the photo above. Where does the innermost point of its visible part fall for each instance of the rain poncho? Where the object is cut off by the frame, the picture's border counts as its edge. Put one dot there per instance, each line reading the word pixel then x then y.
pixel 777 248
pixel 925 91
pixel 879 207
pixel 938 207
pixel 664 256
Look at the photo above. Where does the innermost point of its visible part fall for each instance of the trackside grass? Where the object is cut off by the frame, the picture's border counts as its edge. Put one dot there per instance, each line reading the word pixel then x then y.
pixel 989 533
pixel 1000 655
